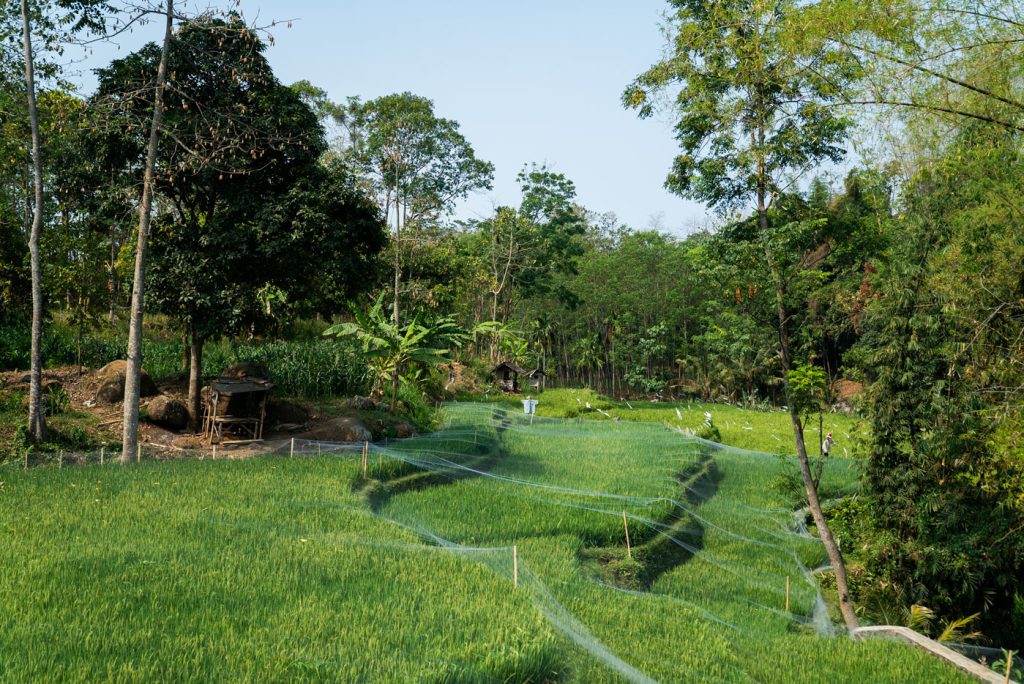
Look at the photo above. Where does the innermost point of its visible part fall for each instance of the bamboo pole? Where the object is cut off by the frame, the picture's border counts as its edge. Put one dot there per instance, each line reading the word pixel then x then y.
pixel 515 567
pixel 787 593
pixel 1009 666
pixel 291 452
pixel 366 451
pixel 625 524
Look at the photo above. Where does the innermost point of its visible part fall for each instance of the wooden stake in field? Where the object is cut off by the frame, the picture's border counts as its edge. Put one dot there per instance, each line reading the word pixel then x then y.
pixel 625 524
pixel 366 452
pixel 60 459
pixel 787 593
pixel 515 567
pixel 138 452
pixel 318 448
pixel 214 452
pixel 291 452
pixel 102 450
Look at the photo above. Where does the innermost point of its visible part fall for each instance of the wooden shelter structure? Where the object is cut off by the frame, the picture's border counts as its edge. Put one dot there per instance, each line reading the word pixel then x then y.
pixel 507 374
pixel 536 379
pixel 237 404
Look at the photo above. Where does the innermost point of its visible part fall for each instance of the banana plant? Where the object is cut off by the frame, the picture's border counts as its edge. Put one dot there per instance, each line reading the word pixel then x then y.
pixel 394 352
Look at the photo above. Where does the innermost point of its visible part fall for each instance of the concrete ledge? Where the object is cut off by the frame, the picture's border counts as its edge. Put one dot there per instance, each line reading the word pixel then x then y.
pixel 908 635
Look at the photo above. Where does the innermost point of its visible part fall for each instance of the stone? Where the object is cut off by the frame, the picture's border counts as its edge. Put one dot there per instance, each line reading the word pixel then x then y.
pixel 361 403
pixel 112 377
pixel 167 412
pixel 280 412
pixel 247 369
pixel 403 430
pixel 344 429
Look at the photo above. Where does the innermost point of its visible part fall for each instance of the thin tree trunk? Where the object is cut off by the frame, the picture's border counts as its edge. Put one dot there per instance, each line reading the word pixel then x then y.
pixel 36 418
pixel 130 435
pixel 398 256
pixel 835 556
pixel 195 381
pixel 112 283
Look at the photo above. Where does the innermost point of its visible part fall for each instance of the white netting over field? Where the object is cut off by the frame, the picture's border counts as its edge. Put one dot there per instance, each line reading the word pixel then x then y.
pixel 709 539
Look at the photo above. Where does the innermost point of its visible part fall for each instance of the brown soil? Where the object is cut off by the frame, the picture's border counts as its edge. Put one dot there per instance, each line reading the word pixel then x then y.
pixel 105 422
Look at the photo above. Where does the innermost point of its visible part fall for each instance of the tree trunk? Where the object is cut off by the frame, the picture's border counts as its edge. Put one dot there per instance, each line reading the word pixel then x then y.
pixel 186 352
pixel 195 382
pixel 36 418
pixel 395 379
pixel 398 257
pixel 112 283
pixel 130 437
pixel 835 556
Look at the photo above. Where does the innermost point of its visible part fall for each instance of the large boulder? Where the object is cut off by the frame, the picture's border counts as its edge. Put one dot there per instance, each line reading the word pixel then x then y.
pixel 111 383
pixel 344 429
pixel 247 369
pixel 285 415
pixel 167 412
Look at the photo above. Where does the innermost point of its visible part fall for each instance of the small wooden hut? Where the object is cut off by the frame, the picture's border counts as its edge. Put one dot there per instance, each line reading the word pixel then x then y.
pixel 506 375
pixel 536 379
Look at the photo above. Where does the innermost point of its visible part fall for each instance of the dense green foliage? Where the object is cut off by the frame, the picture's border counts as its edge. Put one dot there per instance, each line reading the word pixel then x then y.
pixel 901 277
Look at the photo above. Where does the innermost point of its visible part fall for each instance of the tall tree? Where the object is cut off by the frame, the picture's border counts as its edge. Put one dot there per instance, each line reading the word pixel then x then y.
pixel 36 419
pixel 416 163
pixel 232 138
pixel 133 372
pixel 54 21
pixel 753 109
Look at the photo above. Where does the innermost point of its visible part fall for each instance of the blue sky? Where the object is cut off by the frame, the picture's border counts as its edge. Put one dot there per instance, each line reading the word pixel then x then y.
pixel 528 81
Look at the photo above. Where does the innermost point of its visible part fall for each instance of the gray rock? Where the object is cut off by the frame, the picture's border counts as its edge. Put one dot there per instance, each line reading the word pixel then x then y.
pixel 112 376
pixel 361 403
pixel 247 369
pixel 167 412
pixel 345 429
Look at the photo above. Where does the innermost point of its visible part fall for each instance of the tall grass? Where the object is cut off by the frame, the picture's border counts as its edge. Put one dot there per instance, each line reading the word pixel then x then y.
pixel 310 367
pixel 280 569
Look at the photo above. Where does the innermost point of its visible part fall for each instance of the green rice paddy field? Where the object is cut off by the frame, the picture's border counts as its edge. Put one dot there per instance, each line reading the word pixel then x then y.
pixel 284 569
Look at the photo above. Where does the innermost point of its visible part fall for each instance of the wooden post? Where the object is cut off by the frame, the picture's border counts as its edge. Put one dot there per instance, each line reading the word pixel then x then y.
pixel 515 567
pixel 625 524
pixel 787 593
pixel 366 451
pixel 102 450
pixel 214 452
pixel 26 459
pixel 1009 665
pixel 291 452
pixel 318 448
pixel 138 452
pixel 60 459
